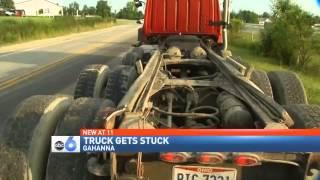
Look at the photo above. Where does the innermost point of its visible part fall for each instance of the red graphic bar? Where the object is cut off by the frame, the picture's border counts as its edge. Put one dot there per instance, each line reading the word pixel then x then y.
pixel 198 132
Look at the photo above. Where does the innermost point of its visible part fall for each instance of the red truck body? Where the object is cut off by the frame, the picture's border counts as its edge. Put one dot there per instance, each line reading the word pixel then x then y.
pixel 182 17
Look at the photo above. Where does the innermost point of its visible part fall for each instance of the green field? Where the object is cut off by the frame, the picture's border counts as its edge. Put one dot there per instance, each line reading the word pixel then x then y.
pixel 20 29
pixel 246 48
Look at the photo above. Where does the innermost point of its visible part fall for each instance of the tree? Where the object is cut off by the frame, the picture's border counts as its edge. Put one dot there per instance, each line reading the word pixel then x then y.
pixel 73 8
pixel 236 26
pixel 234 15
pixel 130 12
pixel 289 37
pixel 266 15
pixel 85 10
pixel 103 9
pixel 7 4
pixel 248 16
pixel 316 20
pixel 92 10
pixel 65 11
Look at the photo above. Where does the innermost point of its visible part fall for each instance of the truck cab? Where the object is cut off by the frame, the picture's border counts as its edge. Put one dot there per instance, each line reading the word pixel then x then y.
pixel 181 17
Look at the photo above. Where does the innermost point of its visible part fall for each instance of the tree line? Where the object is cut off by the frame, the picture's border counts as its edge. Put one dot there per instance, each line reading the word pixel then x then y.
pixel 103 9
pixel 9 4
pixel 251 17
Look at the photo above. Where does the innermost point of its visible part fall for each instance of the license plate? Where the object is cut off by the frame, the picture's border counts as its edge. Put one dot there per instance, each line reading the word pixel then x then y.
pixel 203 173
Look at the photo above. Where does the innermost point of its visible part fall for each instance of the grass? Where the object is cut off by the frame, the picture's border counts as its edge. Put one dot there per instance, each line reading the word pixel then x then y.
pixel 17 29
pixel 244 47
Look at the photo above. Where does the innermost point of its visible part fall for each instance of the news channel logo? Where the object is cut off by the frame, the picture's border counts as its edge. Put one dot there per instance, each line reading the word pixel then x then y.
pixel 65 144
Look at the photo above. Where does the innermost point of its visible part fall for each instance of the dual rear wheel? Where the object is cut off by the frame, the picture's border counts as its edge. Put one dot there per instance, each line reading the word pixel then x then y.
pixel 285 88
pixel 100 81
pixel 25 148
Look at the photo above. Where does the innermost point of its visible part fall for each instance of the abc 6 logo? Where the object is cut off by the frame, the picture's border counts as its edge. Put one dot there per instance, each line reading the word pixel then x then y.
pixel 70 145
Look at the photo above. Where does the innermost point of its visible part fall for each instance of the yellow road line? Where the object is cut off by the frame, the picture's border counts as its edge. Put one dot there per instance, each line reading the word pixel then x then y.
pixel 12 82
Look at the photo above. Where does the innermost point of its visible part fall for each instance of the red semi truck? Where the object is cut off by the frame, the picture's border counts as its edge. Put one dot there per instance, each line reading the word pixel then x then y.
pixel 182 76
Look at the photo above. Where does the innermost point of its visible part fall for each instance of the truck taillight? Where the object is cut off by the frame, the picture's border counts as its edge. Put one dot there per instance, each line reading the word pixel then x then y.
pixel 170 157
pixel 247 160
pixel 210 158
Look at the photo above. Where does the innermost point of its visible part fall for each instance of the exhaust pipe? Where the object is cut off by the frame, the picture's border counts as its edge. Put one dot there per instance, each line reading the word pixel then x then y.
pixel 226 19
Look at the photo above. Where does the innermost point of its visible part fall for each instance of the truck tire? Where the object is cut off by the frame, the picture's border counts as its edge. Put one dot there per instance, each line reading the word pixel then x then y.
pixel 107 107
pixel 132 57
pixel 139 51
pixel 73 166
pixel 287 88
pixel 92 81
pixel 120 81
pixel 304 116
pixel 261 79
pixel 26 143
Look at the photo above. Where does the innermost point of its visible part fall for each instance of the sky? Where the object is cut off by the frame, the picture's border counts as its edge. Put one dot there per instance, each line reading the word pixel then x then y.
pixel 258 6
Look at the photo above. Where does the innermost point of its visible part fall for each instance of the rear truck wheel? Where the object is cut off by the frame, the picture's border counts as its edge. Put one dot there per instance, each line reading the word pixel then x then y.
pixel 261 79
pixel 306 117
pixel 81 114
pixel 92 81
pixel 26 143
pixel 132 57
pixel 287 88
pixel 119 82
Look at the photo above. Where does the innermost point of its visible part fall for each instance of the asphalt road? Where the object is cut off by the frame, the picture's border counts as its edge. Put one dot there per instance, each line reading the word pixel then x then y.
pixel 70 54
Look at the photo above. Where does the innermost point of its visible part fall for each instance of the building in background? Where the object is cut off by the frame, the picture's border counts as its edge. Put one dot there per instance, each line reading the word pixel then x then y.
pixel 39 8
pixel 316 27
pixel 263 21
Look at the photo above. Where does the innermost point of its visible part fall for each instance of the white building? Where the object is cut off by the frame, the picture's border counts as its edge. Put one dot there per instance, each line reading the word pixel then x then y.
pixel 316 27
pixel 263 21
pixel 39 8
